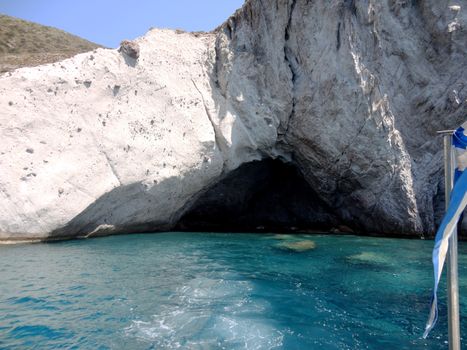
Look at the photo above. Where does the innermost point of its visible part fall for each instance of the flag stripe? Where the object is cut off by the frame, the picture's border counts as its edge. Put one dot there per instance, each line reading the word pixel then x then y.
pixel 455 209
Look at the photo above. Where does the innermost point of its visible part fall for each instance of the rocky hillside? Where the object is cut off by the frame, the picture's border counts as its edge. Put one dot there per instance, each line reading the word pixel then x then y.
pixel 347 95
pixel 24 43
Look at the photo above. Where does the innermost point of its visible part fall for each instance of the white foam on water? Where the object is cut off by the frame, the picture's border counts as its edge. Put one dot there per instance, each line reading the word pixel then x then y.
pixel 210 314
pixel 242 333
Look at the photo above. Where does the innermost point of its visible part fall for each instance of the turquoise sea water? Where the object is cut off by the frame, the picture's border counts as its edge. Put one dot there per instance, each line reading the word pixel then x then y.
pixel 221 291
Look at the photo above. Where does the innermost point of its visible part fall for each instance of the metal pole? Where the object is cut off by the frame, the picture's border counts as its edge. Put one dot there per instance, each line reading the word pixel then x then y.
pixel 453 282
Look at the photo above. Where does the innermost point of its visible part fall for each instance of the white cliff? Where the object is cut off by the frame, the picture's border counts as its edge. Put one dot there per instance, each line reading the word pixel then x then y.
pixel 102 142
pixel 350 92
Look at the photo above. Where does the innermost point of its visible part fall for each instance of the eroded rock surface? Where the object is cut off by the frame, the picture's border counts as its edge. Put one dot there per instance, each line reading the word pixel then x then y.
pixel 129 48
pixel 357 91
pixel 349 92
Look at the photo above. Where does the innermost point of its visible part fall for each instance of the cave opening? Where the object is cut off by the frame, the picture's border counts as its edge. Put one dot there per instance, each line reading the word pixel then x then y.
pixel 267 195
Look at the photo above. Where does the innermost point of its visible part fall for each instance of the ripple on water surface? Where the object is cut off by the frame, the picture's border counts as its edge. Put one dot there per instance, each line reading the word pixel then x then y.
pixel 221 291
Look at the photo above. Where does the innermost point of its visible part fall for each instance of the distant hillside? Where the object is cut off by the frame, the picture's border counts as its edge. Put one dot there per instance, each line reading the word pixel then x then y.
pixel 24 43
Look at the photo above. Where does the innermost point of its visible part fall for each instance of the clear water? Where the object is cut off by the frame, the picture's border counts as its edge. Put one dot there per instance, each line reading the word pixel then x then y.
pixel 220 291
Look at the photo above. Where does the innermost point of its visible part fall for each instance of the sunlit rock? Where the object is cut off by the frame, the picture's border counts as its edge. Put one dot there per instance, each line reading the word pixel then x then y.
pixel 129 48
pixel 350 93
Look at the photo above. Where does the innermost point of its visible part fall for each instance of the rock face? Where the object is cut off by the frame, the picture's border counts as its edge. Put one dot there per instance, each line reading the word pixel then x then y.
pixel 130 49
pixel 351 93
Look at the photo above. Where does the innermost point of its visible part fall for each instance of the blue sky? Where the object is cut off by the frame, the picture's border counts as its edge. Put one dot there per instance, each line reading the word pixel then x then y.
pixel 107 22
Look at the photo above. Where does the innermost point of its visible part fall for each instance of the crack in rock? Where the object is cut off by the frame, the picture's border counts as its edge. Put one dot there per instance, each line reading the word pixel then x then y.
pixel 219 139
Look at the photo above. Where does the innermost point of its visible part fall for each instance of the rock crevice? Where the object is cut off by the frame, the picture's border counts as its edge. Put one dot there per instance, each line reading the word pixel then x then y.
pixel 291 62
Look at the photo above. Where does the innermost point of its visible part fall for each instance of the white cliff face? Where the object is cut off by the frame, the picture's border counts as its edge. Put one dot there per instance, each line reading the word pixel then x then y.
pixel 102 143
pixel 351 92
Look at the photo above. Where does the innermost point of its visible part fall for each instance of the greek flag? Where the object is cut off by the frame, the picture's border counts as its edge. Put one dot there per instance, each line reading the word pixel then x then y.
pixel 449 224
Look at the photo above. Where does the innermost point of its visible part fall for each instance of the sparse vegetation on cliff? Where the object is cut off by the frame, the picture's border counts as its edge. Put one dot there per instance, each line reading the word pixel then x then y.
pixel 24 43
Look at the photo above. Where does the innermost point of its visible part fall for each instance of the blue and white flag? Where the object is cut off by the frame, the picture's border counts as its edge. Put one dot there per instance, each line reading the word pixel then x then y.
pixel 449 224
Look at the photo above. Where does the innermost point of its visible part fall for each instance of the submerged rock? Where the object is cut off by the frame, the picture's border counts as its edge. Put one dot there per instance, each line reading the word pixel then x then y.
pixel 369 257
pixel 350 93
pixel 282 236
pixel 298 246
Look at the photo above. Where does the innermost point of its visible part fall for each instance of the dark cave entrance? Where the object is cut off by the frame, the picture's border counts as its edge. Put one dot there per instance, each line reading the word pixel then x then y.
pixel 267 195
